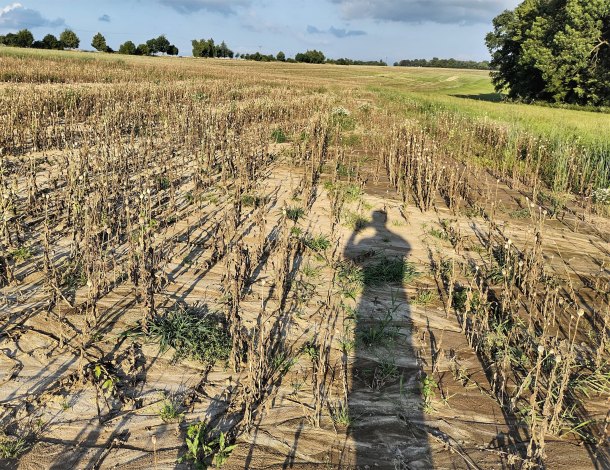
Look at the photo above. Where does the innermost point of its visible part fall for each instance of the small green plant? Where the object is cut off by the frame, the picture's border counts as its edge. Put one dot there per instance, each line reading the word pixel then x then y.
pixel 340 414
pixel 74 276
pixel 223 452
pixel 252 200
pixel 351 140
pixel 311 350
pixel 355 221
pixel 163 183
pixel 170 411
pixel 318 243
pixel 389 270
pixel 296 385
pixel 23 253
pixel 440 234
pixel 200 447
pixel 197 448
pixel 352 192
pixel 105 378
pixel 348 344
pixel 351 278
pixel 345 171
pixel 601 196
pixel 278 136
pixel 343 118
pixel 381 332
pixel 295 213
pixel 520 213
pixel 192 334
pixel 310 271
pixel 12 447
pixel 425 297
pixel 428 385
pixel 281 362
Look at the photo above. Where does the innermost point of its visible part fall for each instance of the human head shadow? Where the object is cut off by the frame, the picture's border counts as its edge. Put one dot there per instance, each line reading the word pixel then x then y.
pixel 385 404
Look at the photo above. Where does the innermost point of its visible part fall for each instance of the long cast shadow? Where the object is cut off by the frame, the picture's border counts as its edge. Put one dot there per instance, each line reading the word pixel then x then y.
pixel 385 401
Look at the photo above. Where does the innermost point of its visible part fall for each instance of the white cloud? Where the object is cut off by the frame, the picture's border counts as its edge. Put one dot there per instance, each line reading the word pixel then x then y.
pixel 337 32
pixel 16 16
pixel 420 11
pixel 225 7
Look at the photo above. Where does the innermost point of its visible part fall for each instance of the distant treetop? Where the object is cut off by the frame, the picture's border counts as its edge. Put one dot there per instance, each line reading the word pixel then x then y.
pixel 444 63
pixel 208 48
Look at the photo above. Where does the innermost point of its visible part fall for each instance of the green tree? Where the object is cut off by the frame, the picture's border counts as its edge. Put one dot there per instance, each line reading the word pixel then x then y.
pixel 69 39
pixel 208 48
pixel 99 42
pixel 161 45
pixel 143 49
pixel 311 57
pixel 51 42
pixel 23 38
pixel 556 50
pixel 128 47
pixel 281 56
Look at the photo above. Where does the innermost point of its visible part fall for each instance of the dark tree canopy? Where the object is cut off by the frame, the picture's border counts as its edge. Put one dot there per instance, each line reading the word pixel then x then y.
pixel 258 57
pixel 281 56
pixel 208 48
pixel 51 42
pixel 310 57
pixel 143 49
pixel 99 42
pixel 23 38
pixel 444 63
pixel 128 47
pixel 158 45
pixel 553 50
pixel 69 39
pixel 346 61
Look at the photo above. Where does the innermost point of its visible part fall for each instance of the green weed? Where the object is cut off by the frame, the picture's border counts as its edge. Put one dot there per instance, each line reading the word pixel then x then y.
pixel 428 385
pixel 295 213
pixel 192 334
pixel 317 243
pixel 23 253
pixel 12 448
pixel 355 221
pixel 278 136
pixel 389 270
pixel 425 297
pixel 170 411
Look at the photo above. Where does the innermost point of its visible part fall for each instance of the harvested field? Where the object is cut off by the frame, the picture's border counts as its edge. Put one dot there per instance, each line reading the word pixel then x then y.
pixel 249 266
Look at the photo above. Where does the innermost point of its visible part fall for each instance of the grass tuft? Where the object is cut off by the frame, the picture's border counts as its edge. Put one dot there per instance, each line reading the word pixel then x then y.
pixel 192 334
pixel 389 270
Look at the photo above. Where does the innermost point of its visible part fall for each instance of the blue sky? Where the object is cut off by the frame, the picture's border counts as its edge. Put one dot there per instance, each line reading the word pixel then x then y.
pixel 359 29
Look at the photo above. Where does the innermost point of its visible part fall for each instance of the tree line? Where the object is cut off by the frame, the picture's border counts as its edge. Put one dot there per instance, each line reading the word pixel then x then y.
pixel 308 57
pixel 68 39
pixel 444 63
pixel 161 45
pixel 24 38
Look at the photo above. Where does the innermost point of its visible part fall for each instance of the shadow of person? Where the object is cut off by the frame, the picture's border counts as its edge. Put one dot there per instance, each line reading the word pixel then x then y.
pixel 385 401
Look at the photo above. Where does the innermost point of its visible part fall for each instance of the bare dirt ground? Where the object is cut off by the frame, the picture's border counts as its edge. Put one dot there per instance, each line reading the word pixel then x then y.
pixel 463 427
